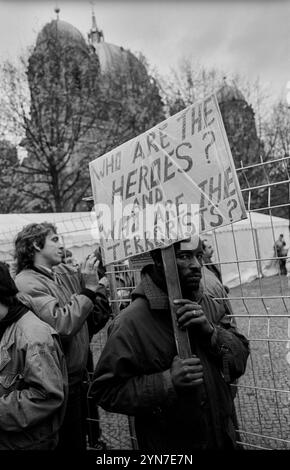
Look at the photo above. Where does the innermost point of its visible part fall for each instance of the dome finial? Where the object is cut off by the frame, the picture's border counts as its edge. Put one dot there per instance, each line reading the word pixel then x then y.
pixel 94 23
pixel 57 10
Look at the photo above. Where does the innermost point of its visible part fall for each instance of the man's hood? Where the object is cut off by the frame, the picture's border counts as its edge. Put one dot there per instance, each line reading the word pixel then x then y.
pixel 155 295
pixel 149 290
pixel 138 292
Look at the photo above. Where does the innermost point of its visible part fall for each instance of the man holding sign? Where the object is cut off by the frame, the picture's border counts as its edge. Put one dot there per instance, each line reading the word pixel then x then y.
pixel 173 352
pixel 180 405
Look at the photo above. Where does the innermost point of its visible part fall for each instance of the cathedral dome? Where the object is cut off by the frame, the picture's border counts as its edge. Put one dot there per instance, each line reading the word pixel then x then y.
pixel 62 30
pixel 229 93
pixel 114 58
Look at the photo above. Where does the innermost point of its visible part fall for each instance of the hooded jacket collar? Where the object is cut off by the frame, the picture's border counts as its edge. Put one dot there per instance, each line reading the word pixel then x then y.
pixel 156 295
pixel 43 270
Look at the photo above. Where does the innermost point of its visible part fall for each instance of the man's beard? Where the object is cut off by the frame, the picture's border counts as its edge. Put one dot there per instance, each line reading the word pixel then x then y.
pixel 190 287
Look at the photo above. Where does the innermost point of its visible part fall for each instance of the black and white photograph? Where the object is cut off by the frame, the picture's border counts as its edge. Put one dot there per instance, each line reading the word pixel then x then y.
pixel 144 228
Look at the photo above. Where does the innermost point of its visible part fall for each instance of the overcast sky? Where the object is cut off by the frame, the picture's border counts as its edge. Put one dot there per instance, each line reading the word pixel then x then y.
pixel 248 37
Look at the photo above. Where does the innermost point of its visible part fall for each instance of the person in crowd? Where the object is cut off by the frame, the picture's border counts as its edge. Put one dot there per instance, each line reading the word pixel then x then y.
pixel 33 374
pixel 212 278
pixel 179 405
pixel 122 278
pixel 212 283
pixel 68 258
pixel 69 300
pixel 278 245
pixel 207 259
pixel 93 427
pixel 280 251
pixel 123 289
pixel 284 253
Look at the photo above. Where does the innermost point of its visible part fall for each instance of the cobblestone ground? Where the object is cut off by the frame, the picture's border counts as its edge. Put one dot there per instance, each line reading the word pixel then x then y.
pixel 263 397
pixel 116 431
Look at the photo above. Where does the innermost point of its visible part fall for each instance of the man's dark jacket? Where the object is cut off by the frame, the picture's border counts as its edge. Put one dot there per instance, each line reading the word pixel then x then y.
pixel 133 375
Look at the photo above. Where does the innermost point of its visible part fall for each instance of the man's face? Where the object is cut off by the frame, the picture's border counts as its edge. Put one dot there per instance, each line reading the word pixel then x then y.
pixel 51 253
pixel 189 264
pixel 208 250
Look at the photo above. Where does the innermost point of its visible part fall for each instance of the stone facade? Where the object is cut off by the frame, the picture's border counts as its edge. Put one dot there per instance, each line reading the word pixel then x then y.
pixel 239 121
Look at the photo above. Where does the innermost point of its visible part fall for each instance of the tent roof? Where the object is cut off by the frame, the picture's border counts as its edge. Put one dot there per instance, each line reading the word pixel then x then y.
pixel 75 227
pixel 256 220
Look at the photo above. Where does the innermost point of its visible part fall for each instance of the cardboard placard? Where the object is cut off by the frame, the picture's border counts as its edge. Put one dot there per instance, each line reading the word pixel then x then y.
pixel 168 183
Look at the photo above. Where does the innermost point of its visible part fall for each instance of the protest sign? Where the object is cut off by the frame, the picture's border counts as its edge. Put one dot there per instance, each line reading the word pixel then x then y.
pixel 170 182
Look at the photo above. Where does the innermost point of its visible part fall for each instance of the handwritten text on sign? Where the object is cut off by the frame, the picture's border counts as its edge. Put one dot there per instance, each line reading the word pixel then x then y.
pixel 174 180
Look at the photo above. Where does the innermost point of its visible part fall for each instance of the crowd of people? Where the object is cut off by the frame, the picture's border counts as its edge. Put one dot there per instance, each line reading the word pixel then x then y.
pixel 51 309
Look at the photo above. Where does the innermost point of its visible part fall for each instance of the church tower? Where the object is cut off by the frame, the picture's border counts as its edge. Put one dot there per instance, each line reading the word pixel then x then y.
pixel 95 36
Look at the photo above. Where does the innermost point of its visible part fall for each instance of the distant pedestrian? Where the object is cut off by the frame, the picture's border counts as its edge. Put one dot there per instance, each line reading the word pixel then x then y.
pixel 284 253
pixel 278 245
pixel 280 251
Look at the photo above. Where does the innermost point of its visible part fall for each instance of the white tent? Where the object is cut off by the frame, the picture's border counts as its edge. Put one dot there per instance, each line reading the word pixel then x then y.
pixel 237 246
pixel 245 249
pixel 76 228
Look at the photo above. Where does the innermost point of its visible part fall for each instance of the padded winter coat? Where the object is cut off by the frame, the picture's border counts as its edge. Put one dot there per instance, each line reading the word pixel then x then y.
pixel 33 385
pixel 133 375
pixel 59 301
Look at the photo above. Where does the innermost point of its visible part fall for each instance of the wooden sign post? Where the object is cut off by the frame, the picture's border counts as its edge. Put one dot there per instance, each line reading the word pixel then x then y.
pixel 174 292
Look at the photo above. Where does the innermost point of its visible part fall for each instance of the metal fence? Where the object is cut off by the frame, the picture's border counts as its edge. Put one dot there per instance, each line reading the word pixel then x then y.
pixel 261 310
